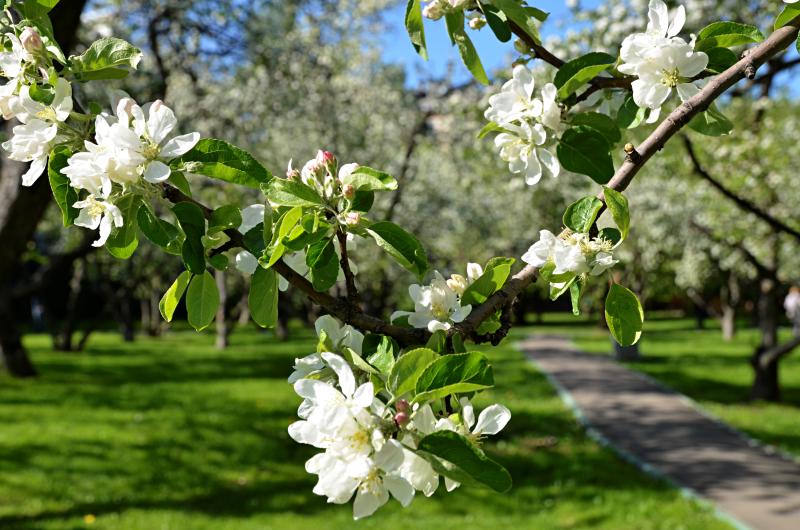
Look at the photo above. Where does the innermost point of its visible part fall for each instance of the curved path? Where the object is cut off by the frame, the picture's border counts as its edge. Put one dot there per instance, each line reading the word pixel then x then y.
pixel 663 432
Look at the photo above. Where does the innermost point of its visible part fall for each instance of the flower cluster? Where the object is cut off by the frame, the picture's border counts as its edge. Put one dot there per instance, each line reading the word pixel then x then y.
pixel 132 145
pixel 576 254
pixel 436 9
pixel 660 60
pixel 438 305
pixel 41 108
pixel 530 126
pixel 369 444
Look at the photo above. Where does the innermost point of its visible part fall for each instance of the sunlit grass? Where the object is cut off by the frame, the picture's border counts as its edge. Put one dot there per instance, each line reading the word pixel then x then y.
pixel 173 434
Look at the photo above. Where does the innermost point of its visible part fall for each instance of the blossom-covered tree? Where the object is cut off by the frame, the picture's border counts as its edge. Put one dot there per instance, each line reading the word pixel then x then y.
pixel 387 402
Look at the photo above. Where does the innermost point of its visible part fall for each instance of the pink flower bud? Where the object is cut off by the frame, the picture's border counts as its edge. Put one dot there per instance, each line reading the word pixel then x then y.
pixel 31 40
pixel 402 406
pixel 401 419
pixel 352 218
pixel 348 191
pixel 292 174
pixel 325 158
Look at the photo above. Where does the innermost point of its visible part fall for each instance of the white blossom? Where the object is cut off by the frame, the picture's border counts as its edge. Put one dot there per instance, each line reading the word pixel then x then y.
pixel 459 283
pixel 436 306
pixel 576 254
pixel 96 214
pixel 32 143
pixel 521 148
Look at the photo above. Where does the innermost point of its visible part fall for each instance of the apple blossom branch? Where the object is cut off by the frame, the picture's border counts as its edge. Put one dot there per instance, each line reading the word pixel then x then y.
pixel 637 157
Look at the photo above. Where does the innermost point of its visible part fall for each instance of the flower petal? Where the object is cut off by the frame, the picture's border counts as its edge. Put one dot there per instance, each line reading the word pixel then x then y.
pixel 492 419
pixel 156 171
pixel 179 145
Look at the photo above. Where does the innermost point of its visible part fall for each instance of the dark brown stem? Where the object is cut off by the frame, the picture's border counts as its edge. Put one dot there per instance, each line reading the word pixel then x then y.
pixel 349 277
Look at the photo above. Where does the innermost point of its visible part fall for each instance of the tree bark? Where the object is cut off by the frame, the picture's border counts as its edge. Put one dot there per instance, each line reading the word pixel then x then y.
pixel 21 209
pixel 223 328
pixel 766 384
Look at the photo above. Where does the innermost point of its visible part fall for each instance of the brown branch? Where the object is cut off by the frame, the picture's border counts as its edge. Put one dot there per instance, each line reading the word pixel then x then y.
pixel 741 202
pixel 775 354
pixel 637 158
pixel 349 277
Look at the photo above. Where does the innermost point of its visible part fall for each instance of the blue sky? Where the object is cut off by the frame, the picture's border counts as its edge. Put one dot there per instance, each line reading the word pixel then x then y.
pixel 493 53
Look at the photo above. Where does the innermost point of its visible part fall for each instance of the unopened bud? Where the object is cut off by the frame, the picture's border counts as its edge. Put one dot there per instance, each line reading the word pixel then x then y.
pixel 433 11
pixel 402 406
pixel 477 23
pixel 325 159
pixel 31 40
pixel 401 419
pixel 349 191
pixel 457 283
pixel 352 218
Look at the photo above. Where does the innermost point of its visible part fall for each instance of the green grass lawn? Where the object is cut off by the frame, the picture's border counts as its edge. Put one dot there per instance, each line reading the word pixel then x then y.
pixel 172 434
pixel 713 372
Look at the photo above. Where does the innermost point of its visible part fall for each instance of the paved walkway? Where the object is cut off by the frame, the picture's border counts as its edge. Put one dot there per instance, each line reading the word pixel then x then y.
pixel 663 431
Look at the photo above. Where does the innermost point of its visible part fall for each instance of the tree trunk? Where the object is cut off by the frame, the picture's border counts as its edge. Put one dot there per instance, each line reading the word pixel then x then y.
pixel 626 353
pixel 21 209
pixel 730 297
pixel 766 385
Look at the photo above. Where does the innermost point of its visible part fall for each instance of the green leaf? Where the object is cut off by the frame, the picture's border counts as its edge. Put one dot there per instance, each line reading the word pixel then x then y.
pixel 601 123
pixel 191 219
pixel 467 463
pixel 224 218
pixel 218 261
pixel 64 194
pixel 286 224
pixel 384 352
pixel 624 315
pixel 789 13
pixel 586 151
pixel 720 59
pixel 497 21
pixel 490 128
pixel 469 56
pixel 363 201
pixel 438 341
pixel 220 160
pixel 581 214
pixel 727 34
pixel 160 232
pixel 610 234
pixel 254 240
pixel 561 286
pixel 106 58
pixel 169 302
pixel 453 374
pixel 522 16
pixel 711 123
pixel 493 278
pixel 407 369
pixel 577 72
pixel 202 300
pixel 263 297
pixel 618 206
pixel 630 115
pixel 178 179
pixel 575 292
pixel 400 245
pixel 324 264
pixel 415 28
pixel 368 179
pixel 124 241
pixel 285 192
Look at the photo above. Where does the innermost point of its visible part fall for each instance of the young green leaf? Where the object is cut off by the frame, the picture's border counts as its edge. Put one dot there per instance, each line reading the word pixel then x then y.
pixel 575 292
pixel 169 302
pixel 384 356
pixel 789 13
pixel 407 369
pixel 106 58
pixel 617 204
pixel 225 217
pixel 630 115
pixel 577 72
pixel 711 123
pixel 584 150
pixel 581 214
pixel 202 300
pixel 263 297
pixel 285 192
pixel 522 16
pixel 160 232
pixel 123 241
pixel 493 278
pixel 455 27
pixel 223 161
pixel 191 219
pixel 601 123
pixel 452 374
pixel 400 245
pixel 415 28
pixel 720 59
pixel 463 461
pixel 624 315
pixel 64 194
pixel 368 179
pixel 324 264
pixel 498 22
pixel 727 34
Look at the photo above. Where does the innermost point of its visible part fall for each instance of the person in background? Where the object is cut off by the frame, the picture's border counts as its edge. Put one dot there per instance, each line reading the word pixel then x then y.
pixel 792 306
